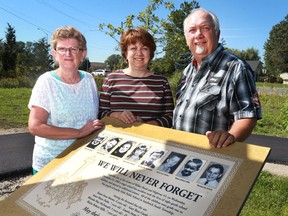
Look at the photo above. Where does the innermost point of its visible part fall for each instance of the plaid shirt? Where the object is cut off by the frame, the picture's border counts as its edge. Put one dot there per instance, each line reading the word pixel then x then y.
pixel 221 92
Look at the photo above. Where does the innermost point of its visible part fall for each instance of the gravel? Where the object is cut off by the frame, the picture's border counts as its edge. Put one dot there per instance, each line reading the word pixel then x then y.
pixel 9 184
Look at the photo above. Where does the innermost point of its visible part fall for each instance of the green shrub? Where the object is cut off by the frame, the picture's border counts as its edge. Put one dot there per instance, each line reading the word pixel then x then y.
pixel 174 81
pixel 99 81
pixel 9 83
pixel 26 82
pixel 18 82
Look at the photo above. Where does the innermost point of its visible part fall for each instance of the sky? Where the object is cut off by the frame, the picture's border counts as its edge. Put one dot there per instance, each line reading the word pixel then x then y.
pixel 244 24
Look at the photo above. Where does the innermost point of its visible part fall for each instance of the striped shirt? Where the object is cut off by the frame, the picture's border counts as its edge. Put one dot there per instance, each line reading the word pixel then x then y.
pixel 221 92
pixel 147 97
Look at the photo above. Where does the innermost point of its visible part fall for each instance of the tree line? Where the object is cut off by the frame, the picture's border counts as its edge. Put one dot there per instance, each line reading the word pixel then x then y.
pixel 169 35
pixel 22 62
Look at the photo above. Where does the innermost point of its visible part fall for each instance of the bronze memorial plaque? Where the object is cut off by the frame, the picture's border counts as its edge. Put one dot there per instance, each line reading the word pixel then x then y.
pixel 141 170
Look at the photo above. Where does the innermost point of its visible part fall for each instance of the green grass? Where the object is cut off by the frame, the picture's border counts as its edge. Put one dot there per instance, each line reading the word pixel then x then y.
pixel 13 107
pixel 274 116
pixel 14 111
pixel 269 196
pixel 273 85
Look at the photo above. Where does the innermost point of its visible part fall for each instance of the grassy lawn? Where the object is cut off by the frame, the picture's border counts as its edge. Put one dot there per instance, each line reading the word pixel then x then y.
pixel 274 120
pixel 269 196
pixel 13 107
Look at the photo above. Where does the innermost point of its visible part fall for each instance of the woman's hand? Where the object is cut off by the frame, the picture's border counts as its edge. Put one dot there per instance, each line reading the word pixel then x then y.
pixel 126 116
pixel 90 126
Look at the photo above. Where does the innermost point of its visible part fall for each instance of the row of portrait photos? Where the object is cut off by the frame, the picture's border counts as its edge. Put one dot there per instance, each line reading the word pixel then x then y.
pixel 160 159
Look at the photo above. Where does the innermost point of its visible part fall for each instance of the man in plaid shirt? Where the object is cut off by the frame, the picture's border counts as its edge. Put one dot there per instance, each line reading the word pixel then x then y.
pixel 217 94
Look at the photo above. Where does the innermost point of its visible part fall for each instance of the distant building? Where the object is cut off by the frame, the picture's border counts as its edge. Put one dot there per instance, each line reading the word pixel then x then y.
pixel 284 77
pixel 257 67
pixel 97 65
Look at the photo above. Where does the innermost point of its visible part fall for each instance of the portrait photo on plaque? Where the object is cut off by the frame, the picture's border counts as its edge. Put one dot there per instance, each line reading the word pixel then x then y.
pixel 172 162
pixel 191 168
pixel 213 175
pixel 138 152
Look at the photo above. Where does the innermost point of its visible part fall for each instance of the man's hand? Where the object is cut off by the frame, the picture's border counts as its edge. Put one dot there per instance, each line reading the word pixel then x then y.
pixel 220 138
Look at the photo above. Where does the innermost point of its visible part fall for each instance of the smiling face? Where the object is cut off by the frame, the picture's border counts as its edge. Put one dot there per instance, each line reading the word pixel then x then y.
pixel 200 34
pixel 189 168
pixel 213 173
pixel 138 56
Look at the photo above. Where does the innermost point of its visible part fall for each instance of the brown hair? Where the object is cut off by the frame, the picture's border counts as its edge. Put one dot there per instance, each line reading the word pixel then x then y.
pixel 65 32
pixel 132 36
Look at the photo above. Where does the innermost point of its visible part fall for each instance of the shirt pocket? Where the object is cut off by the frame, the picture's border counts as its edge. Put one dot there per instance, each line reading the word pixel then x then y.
pixel 208 97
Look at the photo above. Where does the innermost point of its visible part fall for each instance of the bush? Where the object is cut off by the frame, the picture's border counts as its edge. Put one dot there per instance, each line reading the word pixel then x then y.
pixel 99 81
pixel 9 83
pixel 270 79
pixel 18 82
pixel 26 82
pixel 174 81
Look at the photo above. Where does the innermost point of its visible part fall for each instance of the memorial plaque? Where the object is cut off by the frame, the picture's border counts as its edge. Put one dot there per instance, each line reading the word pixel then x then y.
pixel 141 170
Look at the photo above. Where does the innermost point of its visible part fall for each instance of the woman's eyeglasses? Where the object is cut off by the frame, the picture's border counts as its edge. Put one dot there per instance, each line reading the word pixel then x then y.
pixel 63 50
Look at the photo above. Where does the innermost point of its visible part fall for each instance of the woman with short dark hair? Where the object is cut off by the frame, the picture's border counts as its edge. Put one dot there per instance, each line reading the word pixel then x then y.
pixel 136 94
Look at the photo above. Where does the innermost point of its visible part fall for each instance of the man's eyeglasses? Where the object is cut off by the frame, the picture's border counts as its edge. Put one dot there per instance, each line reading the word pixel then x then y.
pixel 63 50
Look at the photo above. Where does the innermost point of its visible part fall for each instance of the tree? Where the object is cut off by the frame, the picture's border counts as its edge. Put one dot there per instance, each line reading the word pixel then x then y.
pixel 25 58
pixel 162 66
pixel 43 59
pixel 177 54
pixel 251 54
pixel 1 51
pixel 85 65
pixel 276 49
pixel 147 19
pixel 9 55
pixel 176 50
pixel 168 33
pixel 113 62
pixel 33 58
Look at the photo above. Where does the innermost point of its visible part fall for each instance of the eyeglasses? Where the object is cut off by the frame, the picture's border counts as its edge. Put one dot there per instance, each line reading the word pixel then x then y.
pixel 63 50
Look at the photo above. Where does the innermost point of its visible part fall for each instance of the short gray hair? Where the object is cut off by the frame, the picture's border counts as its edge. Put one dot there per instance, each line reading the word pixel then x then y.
pixel 215 20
